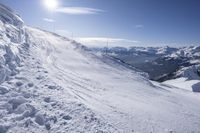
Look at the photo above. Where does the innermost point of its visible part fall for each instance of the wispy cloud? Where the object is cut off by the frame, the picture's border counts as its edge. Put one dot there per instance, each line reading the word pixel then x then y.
pixel 78 10
pixel 102 41
pixel 48 20
pixel 139 26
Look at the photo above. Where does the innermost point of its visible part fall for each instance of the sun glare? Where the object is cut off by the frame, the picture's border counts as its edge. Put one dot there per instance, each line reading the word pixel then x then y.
pixel 51 4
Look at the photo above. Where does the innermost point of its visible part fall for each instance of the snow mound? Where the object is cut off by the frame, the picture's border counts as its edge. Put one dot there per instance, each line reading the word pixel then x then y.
pixel 12 34
pixel 11 25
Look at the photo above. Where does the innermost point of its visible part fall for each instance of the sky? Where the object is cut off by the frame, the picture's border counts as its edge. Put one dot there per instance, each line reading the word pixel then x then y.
pixel 118 22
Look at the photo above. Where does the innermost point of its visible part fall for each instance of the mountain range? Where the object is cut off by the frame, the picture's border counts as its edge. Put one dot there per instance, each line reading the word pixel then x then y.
pixel 161 63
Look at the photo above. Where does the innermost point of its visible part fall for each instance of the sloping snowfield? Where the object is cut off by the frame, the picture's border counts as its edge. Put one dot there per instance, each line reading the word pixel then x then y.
pixel 57 87
pixel 184 83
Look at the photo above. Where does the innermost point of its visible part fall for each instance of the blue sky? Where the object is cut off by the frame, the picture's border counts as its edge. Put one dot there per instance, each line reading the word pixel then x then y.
pixel 121 22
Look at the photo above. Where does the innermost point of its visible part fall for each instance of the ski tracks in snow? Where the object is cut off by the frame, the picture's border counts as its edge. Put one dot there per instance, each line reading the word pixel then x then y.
pixel 32 102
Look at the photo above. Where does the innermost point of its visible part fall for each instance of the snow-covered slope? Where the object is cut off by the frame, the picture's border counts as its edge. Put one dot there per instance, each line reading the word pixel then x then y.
pixel 184 83
pixel 188 78
pixel 59 87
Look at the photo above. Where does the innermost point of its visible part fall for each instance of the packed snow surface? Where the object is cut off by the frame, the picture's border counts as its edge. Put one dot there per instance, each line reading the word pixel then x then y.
pixel 189 78
pixel 57 87
pixel 184 83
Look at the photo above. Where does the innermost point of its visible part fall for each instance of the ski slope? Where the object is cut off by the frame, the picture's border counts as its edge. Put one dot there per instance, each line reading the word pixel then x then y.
pixel 58 87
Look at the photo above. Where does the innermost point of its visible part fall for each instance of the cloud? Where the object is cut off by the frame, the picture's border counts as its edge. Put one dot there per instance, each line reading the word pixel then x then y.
pixel 78 10
pixel 102 41
pixel 139 26
pixel 48 20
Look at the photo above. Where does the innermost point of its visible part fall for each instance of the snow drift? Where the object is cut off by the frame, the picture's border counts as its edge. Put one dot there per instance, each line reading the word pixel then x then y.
pixel 12 34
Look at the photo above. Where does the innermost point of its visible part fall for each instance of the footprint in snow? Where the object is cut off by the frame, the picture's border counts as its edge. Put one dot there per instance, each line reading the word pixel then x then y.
pixel 48 126
pixel 40 119
pixel 67 117
pixel 28 122
pixel 15 102
pixel 3 90
pixel 26 109
pixel 39 77
pixel 18 84
pixel 52 87
pixel 45 72
pixel 30 84
pixel 47 99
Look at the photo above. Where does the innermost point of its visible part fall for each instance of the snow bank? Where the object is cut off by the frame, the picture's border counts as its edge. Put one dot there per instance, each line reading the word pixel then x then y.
pixel 13 24
pixel 12 34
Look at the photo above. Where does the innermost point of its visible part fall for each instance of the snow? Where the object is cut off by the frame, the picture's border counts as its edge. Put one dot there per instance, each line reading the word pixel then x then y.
pixel 189 78
pixel 184 83
pixel 59 87
pixel 191 72
pixel 112 97
pixel 11 35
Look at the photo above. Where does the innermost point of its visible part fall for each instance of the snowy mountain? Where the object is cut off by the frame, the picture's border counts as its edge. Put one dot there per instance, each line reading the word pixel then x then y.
pixel 53 84
pixel 161 63
pixel 187 78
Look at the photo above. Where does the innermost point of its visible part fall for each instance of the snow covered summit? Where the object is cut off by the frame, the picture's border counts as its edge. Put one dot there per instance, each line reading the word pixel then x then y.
pixel 51 84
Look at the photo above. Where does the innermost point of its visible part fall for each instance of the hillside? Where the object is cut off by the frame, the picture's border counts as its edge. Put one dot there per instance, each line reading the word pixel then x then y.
pixel 52 84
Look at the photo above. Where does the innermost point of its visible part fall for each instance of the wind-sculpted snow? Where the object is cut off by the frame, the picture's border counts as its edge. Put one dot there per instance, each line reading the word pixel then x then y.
pixel 11 25
pixel 120 95
pixel 12 34
pixel 59 87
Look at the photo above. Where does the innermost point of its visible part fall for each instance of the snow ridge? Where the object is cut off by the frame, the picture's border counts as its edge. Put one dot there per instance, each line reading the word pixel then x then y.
pixel 12 34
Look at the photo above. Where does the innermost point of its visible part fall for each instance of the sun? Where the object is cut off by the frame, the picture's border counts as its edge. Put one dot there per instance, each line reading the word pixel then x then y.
pixel 51 4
